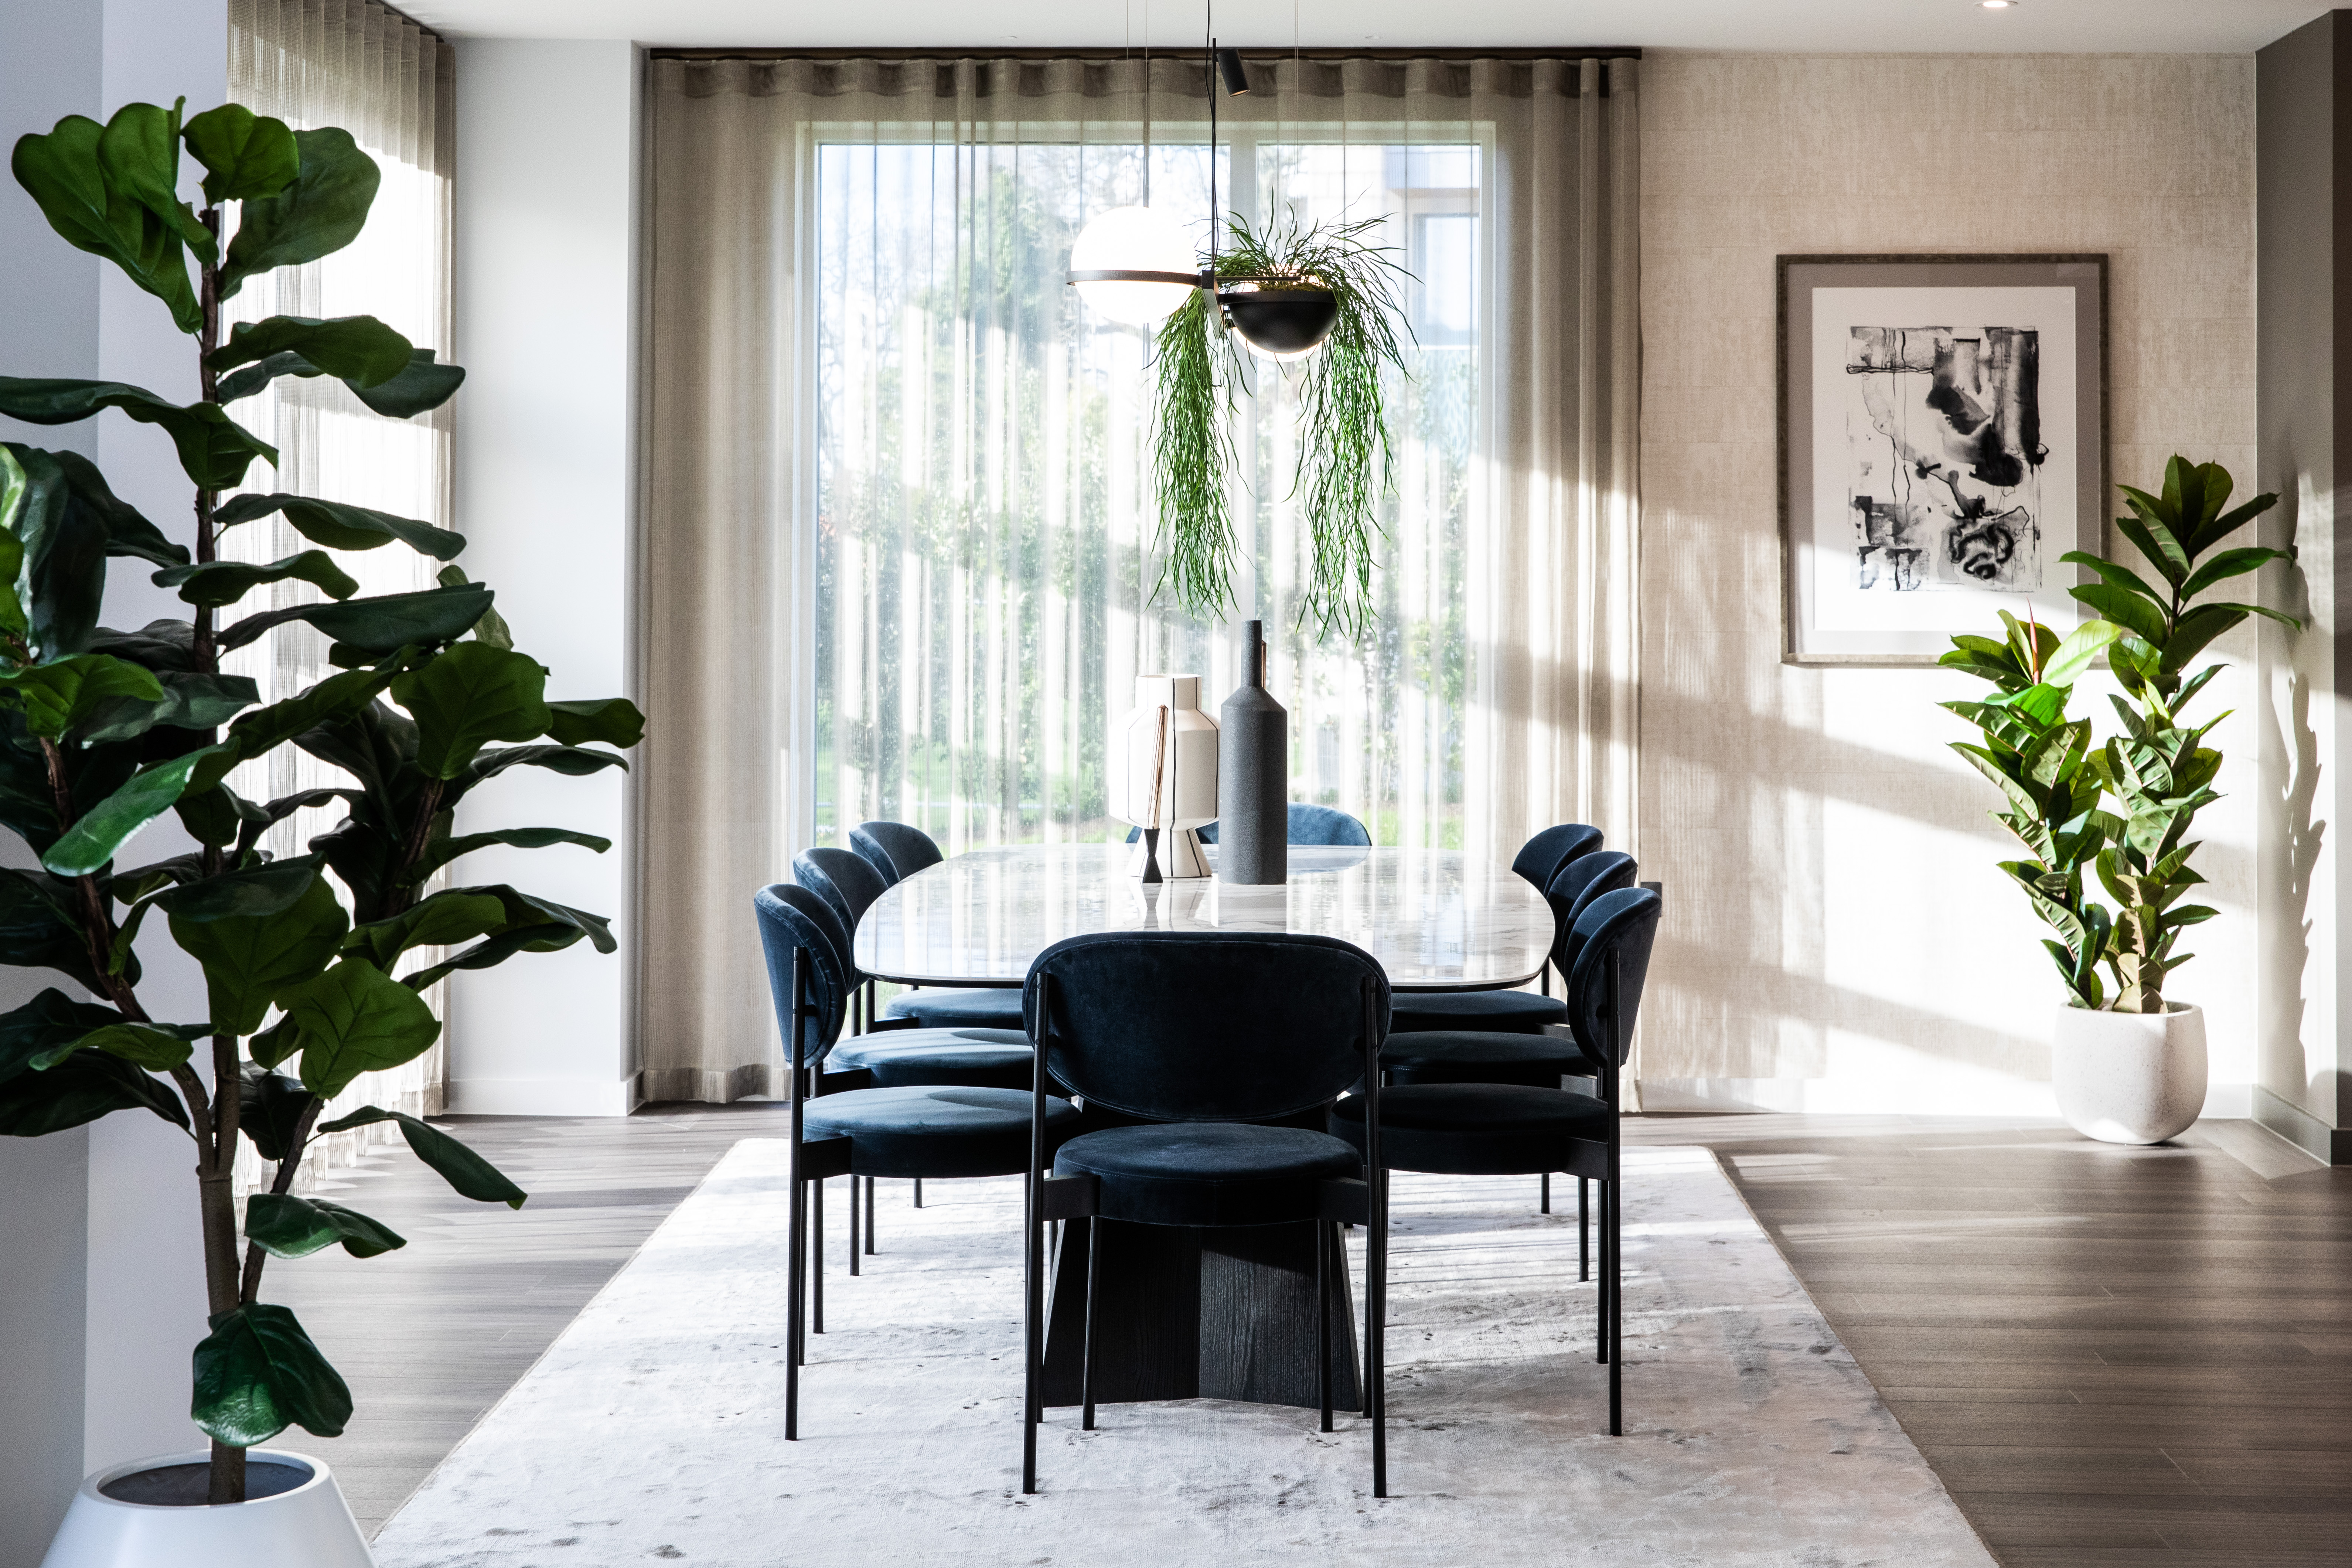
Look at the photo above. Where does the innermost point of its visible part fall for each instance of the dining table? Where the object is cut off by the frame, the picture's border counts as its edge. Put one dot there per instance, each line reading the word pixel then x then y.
pixel 1183 1312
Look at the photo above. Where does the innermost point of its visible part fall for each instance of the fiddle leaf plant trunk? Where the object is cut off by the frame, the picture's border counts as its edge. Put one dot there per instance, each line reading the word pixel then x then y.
pixel 311 977
pixel 2158 769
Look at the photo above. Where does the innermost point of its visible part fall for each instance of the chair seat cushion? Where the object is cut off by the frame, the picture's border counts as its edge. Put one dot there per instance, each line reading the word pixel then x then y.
pixel 938 1131
pixel 1458 1055
pixel 1478 1129
pixel 985 1008
pixel 1209 1173
pixel 977 1058
pixel 1507 1012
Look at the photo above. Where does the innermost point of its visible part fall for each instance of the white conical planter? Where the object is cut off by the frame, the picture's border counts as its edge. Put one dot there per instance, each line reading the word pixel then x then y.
pixel 2129 1078
pixel 309 1526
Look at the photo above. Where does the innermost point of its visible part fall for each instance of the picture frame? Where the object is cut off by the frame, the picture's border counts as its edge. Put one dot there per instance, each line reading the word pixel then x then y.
pixel 1943 442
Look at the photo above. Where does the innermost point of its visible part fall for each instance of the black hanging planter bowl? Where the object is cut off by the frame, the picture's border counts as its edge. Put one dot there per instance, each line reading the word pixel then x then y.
pixel 1281 317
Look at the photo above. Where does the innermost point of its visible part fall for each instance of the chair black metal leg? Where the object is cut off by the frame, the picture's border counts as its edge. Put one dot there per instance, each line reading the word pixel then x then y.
pixel 854 1183
pixel 1584 1230
pixel 816 1254
pixel 1600 1300
pixel 1087 1348
pixel 918 1191
pixel 1547 1194
pixel 1326 1239
pixel 1033 1353
pixel 1616 1306
pixel 793 1266
pixel 869 1216
pixel 1376 1291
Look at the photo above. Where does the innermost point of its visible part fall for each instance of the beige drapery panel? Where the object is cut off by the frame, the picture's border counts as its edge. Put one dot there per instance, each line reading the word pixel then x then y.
pixel 392 84
pixel 1538 647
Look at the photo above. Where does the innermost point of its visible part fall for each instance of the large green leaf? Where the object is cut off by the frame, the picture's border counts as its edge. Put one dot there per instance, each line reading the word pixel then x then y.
pixel 2228 564
pixel 342 527
pixel 67 173
pixel 257 1373
pixel 2123 607
pixel 319 212
pixel 42 1025
pixel 249 961
pixel 37 931
pixel 614 721
pixel 80 1089
pixel 94 840
pixel 2083 644
pixel 356 1019
pixel 158 1047
pixel 573 762
pixel 60 557
pixel 360 350
pixel 380 625
pixel 532 925
pixel 139 152
pixel 440 850
pixel 284 1226
pixel 422 385
pixel 214 583
pixel 252 892
pixel 214 449
pixel 333 698
pixel 189 702
pixel 468 697
pixel 442 920
pixel 270 1108
pixel 54 698
pixel 127 532
pixel 471 1175
pixel 246 155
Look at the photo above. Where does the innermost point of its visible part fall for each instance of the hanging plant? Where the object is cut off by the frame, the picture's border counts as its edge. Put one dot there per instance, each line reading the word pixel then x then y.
pixel 1346 456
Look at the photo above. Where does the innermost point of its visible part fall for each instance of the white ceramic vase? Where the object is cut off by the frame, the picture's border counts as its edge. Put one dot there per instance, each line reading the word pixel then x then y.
pixel 2129 1078
pixel 1162 773
pixel 308 1526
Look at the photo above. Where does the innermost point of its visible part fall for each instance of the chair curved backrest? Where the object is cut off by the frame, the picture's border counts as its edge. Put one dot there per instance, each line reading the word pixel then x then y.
pixel 1617 930
pixel 895 849
pixel 793 919
pixel 1571 893
pixel 1308 825
pixel 1541 858
pixel 1206 1025
pixel 848 882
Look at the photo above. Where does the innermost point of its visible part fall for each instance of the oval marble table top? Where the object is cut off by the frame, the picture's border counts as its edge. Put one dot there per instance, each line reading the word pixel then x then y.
pixel 1437 919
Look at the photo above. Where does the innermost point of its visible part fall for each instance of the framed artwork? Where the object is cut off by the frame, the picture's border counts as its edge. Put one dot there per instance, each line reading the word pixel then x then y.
pixel 1943 443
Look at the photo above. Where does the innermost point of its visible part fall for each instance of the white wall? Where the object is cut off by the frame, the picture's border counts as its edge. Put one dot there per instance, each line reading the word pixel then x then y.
pixel 102 1288
pixel 546 267
pixel 1838 936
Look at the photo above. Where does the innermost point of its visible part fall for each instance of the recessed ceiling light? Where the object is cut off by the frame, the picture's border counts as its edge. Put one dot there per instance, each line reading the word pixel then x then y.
pixel 1997 4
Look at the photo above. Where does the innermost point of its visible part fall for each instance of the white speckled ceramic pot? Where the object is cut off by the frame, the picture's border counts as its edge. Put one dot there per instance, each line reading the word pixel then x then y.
pixel 306 1524
pixel 2129 1078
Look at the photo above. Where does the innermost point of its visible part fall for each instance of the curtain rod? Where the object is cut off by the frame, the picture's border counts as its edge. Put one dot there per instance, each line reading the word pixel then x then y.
pixel 1268 51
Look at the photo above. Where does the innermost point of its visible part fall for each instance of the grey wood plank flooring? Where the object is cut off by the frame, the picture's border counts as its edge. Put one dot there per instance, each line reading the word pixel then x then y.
pixel 2110 1356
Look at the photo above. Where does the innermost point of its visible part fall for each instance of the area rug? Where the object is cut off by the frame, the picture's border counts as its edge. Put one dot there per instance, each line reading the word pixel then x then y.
pixel 653 1429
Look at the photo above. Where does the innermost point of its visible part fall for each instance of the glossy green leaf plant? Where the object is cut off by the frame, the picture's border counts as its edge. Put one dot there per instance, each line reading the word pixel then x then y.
pixel 311 963
pixel 2157 770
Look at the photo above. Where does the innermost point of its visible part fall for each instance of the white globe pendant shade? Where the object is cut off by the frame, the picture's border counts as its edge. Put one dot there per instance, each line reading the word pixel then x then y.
pixel 1133 239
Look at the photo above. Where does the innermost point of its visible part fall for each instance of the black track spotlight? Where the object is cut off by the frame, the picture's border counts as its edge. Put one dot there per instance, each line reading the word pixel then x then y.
pixel 1229 67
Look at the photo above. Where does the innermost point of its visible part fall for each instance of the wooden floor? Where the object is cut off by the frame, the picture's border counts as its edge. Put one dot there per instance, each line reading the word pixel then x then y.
pixel 2109 1355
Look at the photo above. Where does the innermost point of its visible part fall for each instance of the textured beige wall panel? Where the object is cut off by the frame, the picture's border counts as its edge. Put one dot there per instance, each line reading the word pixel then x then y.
pixel 1833 910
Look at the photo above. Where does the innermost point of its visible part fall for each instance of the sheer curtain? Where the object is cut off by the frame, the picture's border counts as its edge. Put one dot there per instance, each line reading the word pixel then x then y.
pixel 392 84
pixel 898 477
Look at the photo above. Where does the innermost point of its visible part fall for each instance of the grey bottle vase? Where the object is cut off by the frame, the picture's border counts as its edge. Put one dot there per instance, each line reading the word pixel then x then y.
pixel 1254 778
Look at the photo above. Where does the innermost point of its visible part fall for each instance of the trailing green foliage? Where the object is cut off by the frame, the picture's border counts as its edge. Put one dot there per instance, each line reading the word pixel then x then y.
pixel 1346 457
pixel 104 732
pixel 2158 769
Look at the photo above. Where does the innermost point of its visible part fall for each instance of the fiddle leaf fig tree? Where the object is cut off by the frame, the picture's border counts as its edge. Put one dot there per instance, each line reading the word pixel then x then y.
pixel 309 963
pixel 2158 770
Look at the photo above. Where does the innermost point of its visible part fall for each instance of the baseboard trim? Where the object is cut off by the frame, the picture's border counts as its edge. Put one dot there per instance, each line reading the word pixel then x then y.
pixel 2310 1133
pixel 1886 1097
pixel 544 1096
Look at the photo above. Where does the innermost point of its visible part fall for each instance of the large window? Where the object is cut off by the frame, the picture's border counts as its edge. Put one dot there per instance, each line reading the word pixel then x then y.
pixel 984 569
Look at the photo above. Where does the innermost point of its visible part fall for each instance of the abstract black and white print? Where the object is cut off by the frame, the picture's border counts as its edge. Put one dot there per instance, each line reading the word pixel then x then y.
pixel 1945 454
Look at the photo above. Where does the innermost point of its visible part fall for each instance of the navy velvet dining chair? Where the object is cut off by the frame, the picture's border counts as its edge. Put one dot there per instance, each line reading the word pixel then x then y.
pixel 1541 856
pixel 895 849
pixel 1492 1129
pixel 1323 824
pixel 898 851
pixel 1117 1018
pixel 1512 1012
pixel 927 1130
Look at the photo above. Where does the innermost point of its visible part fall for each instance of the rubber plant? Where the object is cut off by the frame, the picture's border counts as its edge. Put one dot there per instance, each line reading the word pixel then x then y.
pixel 2157 768
pixel 1346 453
pixel 104 731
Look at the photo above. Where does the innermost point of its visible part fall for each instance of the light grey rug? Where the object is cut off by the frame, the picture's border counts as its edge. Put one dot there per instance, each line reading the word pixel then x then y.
pixel 653 1429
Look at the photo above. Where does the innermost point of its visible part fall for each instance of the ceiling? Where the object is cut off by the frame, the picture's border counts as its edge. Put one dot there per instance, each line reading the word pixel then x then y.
pixel 2104 26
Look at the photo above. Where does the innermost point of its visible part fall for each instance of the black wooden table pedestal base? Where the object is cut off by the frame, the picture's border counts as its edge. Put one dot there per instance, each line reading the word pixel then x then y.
pixel 1198 1313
